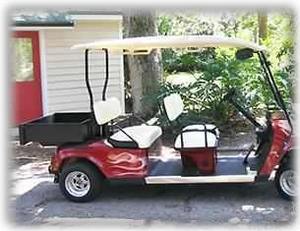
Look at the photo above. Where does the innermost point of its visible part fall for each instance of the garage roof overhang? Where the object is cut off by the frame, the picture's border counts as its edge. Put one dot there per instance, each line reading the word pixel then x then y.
pixel 59 20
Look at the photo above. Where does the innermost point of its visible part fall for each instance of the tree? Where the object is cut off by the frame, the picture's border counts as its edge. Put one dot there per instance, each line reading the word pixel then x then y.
pixel 144 71
pixel 262 26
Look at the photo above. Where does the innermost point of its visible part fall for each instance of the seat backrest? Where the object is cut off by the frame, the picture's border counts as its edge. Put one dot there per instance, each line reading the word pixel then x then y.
pixel 107 110
pixel 173 105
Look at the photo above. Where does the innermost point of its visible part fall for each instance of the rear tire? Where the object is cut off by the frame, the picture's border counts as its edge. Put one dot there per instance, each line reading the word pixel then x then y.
pixel 285 182
pixel 80 182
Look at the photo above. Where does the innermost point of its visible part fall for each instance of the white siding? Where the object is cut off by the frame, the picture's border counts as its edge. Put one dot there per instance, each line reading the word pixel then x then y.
pixel 65 80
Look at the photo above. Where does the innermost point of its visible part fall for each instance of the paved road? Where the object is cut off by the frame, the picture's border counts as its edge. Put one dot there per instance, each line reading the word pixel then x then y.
pixel 36 200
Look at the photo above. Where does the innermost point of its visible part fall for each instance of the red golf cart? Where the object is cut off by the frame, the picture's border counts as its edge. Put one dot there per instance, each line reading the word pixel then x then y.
pixel 98 146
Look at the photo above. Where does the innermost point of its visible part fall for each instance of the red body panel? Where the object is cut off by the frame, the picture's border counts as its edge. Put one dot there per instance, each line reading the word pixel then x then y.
pixel 203 158
pixel 27 94
pixel 120 163
pixel 281 143
pixel 112 162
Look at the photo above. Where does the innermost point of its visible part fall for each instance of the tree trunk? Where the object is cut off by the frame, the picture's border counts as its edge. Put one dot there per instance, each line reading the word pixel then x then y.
pixel 262 26
pixel 144 71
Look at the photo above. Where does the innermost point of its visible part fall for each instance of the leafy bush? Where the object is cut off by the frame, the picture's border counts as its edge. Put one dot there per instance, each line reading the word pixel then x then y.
pixel 217 70
pixel 203 98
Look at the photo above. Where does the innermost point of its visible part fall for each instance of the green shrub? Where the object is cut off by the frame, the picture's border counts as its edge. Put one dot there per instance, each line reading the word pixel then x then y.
pixel 217 70
pixel 203 98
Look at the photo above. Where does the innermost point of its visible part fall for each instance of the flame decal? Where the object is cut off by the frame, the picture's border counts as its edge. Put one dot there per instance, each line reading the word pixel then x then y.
pixel 122 157
pixel 131 163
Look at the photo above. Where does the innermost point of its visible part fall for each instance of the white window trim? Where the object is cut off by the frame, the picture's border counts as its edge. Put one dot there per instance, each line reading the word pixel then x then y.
pixel 122 78
pixel 43 68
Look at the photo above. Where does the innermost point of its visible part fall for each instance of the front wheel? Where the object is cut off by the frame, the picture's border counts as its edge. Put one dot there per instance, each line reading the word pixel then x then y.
pixel 285 182
pixel 80 182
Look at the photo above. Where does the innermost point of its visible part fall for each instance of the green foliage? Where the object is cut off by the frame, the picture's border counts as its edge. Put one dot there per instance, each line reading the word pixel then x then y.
pixel 203 98
pixel 217 70
pixel 178 61
pixel 280 42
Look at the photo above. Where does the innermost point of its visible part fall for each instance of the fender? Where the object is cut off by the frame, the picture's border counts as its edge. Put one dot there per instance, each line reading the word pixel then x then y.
pixel 112 162
pixel 59 160
pixel 282 143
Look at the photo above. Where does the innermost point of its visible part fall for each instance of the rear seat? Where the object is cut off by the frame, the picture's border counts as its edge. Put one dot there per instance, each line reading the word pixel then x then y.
pixel 140 136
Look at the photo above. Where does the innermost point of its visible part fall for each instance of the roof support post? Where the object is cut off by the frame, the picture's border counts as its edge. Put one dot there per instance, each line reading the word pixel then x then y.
pixel 106 74
pixel 87 82
pixel 271 81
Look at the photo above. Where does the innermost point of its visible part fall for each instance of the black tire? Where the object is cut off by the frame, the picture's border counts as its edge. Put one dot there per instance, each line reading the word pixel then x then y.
pixel 283 192
pixel 89 172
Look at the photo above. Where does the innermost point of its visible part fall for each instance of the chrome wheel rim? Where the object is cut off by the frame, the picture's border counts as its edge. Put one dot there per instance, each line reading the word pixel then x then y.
pixel 77 184
pixel 287 182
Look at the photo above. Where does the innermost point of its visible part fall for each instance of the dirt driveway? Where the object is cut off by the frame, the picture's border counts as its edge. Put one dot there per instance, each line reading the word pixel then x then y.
pixel 35 199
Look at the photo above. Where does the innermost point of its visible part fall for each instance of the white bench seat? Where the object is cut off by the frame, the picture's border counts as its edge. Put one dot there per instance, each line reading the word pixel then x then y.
pixel 195 139
pixel 192 136
pixel 141 136
pixel 201 127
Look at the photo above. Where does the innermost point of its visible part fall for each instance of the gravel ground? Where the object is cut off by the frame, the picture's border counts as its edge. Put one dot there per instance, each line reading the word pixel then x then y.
pixel 35 199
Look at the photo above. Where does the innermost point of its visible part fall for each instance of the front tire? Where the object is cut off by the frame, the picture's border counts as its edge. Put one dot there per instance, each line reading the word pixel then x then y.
pixel 285 182
pixel 80 182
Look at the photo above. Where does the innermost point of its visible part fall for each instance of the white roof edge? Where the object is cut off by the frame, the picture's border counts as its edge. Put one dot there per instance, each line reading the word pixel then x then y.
pixel 153 42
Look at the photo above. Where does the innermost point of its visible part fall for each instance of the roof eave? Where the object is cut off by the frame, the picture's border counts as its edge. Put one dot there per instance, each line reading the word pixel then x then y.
pixel 43 24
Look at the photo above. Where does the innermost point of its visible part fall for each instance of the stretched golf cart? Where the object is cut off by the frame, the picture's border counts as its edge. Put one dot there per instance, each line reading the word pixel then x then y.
pixel 97 146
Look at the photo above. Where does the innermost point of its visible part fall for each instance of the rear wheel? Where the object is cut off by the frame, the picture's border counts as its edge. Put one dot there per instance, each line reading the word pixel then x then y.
pixel 80 182
pixel 285 182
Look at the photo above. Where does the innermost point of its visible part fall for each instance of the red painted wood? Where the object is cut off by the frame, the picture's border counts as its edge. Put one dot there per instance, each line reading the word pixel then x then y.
pixel 27 96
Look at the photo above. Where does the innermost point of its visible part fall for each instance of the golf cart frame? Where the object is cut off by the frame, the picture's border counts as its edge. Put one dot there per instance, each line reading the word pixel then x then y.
pixel 97 146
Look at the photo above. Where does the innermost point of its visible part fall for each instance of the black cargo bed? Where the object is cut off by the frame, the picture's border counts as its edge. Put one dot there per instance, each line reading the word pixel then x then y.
pixel 59 128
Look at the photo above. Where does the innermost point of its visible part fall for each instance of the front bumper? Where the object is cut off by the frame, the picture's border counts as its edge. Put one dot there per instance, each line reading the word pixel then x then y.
pixel 56 175
pixel 54 165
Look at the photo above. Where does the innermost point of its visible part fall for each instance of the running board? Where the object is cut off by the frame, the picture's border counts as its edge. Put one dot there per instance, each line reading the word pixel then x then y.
pixel 200 179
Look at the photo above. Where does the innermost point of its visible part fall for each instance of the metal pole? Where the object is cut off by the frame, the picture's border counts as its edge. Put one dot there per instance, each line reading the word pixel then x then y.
pixel 274 88
pixel 107 74
pixel 87 82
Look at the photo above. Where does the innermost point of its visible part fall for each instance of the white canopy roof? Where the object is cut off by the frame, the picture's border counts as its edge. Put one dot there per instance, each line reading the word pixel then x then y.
pixel 144 45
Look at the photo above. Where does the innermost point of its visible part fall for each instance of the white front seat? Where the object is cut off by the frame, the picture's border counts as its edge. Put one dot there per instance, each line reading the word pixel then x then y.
pixel 196 139
pixel 211 127
pixel 193 136
pixel 141 136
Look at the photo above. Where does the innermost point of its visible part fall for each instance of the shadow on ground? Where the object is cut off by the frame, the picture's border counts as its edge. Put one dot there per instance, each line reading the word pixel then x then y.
pixel 200 204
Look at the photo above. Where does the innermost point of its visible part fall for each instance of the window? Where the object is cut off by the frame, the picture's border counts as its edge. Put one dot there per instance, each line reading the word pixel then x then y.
pixel 22 60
